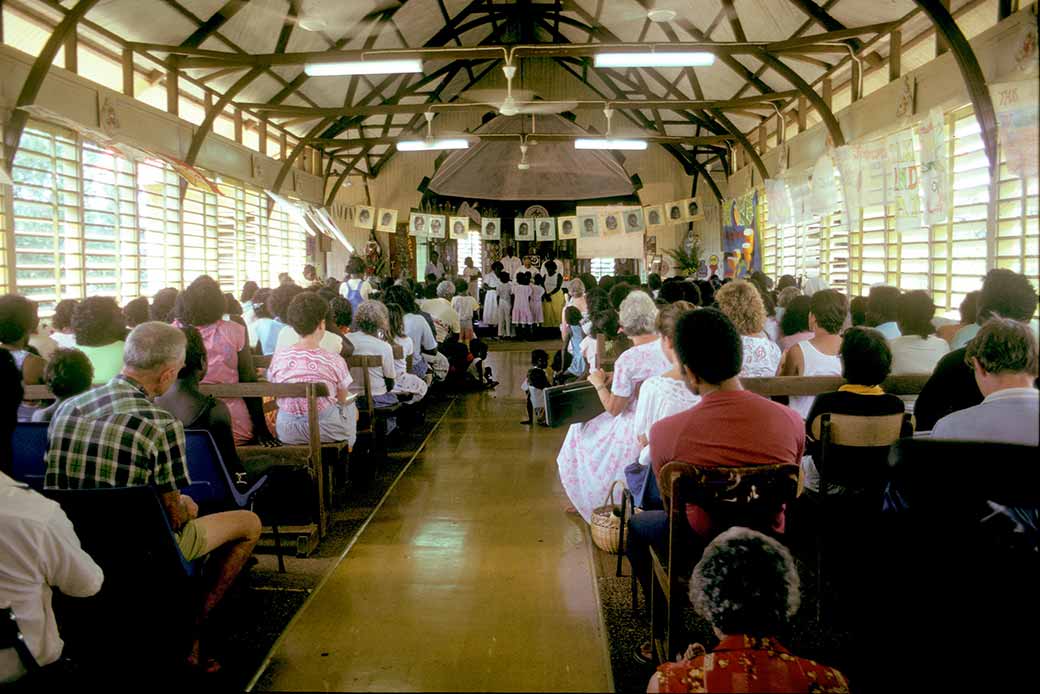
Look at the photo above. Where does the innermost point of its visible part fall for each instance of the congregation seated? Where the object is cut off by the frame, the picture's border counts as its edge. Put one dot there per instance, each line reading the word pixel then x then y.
pixel 306 362
pixel 866 361
pixel 445 318
pixel 61 323
pixel 163 304
pixel 747 587
pixel 730 426
pixel 370 324
pixel 917 350
pixel 1003 356
pixel 883 310
pixel 100 329
pixel 331 341
pixel 594 453
pixel 817 356
pixel 198 411
pixel 794 324
pixel 742 304
pixel 952 386
pixel 228 357
pixel 406 384
pixel 959 334
pixel 136 312
pixel 114 436
pixel 277 305
pixel 68 374
pixel 17 322
pixel 41 553
pixel 421 331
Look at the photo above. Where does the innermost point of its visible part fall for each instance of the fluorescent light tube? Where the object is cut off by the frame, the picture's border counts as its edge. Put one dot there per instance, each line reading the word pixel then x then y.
pixel 604 143
pixel 665 59
pixel 425 145
pixel 364 67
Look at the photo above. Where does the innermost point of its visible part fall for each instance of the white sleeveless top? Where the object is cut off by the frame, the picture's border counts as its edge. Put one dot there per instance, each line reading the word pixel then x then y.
pixel 814 363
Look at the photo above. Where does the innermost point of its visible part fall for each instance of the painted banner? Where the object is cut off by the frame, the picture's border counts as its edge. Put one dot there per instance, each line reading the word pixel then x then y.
pixel 873 163
pixel 935 179
pixel 741 243
pixel 1017 123
pixel 850 171
pixel 903 183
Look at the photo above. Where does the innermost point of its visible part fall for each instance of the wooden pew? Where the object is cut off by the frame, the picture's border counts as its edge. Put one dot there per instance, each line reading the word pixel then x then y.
pixel 906 384
pixel 375 417
pixel 308 535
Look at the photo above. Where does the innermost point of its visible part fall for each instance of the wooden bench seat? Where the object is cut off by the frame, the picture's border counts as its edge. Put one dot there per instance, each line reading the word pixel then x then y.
pixel 317 455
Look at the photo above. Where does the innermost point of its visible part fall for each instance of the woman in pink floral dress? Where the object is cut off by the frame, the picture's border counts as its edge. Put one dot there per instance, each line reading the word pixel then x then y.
pixel 595 453
pixel 201 305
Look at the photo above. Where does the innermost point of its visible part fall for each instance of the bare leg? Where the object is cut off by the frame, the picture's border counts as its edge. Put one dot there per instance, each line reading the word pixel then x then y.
pixel 230 538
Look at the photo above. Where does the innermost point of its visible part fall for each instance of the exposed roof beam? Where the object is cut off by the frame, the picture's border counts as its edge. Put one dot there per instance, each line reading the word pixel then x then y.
pixel 354 143
pixel 214 23
pixel 764 101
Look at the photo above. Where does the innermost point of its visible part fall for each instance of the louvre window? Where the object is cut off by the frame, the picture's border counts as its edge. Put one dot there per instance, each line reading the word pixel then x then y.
pixel 88 222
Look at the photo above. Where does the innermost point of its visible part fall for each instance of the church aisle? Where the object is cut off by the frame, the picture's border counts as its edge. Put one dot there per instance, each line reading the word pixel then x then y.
pixel 470 577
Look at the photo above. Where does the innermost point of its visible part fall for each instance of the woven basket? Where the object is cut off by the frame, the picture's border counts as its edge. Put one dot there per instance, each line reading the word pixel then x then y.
pixel 606 525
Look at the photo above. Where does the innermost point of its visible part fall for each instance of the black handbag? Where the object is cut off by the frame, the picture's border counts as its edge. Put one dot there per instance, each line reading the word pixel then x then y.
pixel 571 403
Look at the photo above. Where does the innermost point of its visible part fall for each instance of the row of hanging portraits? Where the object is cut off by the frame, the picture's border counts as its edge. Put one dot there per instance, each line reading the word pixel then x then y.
pixel 608 222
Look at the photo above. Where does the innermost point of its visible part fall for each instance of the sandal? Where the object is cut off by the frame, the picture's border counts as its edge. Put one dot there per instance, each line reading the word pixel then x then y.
pixel 643 653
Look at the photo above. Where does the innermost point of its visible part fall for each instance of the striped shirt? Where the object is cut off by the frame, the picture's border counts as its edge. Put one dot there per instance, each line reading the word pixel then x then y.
pixel 295 365
pixel 114 436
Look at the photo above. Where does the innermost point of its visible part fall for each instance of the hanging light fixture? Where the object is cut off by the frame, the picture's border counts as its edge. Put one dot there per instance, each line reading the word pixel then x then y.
pixel 608 142
pixel 364 67
pixel 654 59
pixel 431 143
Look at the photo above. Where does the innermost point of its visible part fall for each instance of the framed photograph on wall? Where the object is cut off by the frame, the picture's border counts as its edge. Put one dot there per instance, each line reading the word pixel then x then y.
pixel 491 229
pixel 545 229
pixel 634 220
pixel 418 224
pixel 568 227
pixel 610 223
pixel 693 210
pixel 438 226
pixel 459 227
pixel 588 226
pixel 675 212
pixel 523 229
pixel 387 220
pixel 654 216
pixel 365 217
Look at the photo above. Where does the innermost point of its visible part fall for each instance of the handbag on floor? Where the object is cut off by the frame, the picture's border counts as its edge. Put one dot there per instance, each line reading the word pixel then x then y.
pixel 608 521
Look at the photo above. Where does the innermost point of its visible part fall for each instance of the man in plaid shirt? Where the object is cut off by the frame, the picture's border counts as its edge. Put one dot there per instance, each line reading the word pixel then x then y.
pixel 115 436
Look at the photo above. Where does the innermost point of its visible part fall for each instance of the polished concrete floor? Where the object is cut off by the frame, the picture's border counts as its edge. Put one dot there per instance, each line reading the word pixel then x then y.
pixel 469 578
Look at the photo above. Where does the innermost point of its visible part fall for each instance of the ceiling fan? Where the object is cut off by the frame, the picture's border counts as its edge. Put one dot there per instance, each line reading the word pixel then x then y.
pixel 512 102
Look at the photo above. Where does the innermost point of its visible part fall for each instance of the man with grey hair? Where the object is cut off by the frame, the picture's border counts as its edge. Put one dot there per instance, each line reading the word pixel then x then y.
pixel 445 319
pixel 746 585
pixel 115 436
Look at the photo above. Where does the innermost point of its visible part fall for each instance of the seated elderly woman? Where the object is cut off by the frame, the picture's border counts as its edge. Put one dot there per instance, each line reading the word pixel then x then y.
pixel 307 362
pixel 742 304
pixel 371 323
pixel 595 452
pixel 746 585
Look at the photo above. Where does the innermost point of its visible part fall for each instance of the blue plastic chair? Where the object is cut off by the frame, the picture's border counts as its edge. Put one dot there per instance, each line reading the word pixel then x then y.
pixel 211 485
pixel 29 445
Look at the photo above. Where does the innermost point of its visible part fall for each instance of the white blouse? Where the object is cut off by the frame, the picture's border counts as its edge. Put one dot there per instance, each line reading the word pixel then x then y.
pixel 660 397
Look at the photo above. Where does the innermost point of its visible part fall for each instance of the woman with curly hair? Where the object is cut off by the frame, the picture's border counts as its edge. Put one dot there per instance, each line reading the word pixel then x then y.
pixel 746 586
pixel 61 323
pixel 68 374
pixel 100 329
pixel 163 304
pixel 229 358
pixel 17 322
pixel 742 304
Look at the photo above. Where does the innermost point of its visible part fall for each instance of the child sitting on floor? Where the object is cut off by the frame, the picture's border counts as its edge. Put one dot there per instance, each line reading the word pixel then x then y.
pixel 478 369
pixel 534 385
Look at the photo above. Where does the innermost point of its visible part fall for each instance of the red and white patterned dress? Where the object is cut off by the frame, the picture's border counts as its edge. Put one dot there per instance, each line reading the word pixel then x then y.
pixel 595 453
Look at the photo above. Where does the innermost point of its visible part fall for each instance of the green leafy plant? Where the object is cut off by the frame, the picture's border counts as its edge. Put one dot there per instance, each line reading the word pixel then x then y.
pixel 686 262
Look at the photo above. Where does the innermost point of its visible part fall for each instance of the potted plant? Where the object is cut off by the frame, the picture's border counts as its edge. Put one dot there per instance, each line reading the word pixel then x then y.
pixel 686 258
